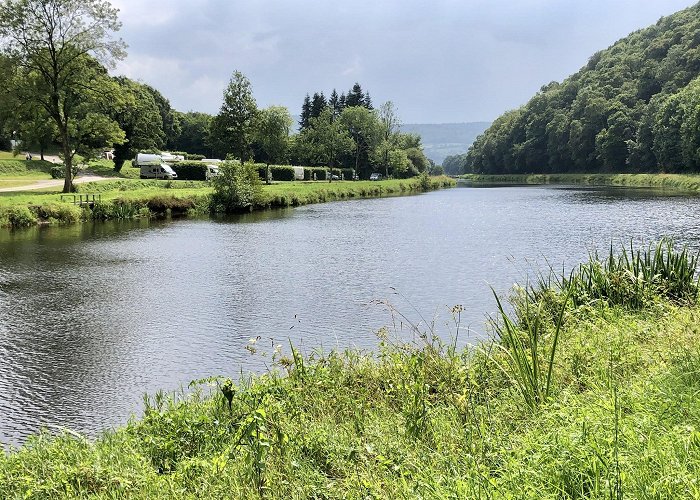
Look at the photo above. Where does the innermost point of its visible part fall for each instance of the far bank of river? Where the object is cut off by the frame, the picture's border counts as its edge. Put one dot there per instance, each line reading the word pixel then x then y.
pixel 125 199
pixel 680 182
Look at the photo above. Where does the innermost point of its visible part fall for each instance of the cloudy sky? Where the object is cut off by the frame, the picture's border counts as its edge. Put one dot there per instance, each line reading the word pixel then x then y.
pixel 439 61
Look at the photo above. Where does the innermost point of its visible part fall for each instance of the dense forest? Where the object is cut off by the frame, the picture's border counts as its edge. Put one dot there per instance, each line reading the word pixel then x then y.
pixel 635 107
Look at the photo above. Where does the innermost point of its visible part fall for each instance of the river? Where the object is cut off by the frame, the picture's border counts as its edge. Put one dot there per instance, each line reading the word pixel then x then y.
pixel 93 316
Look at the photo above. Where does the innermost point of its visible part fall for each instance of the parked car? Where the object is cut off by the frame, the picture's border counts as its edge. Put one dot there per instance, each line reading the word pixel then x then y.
pixel 335 177
pixel 375 177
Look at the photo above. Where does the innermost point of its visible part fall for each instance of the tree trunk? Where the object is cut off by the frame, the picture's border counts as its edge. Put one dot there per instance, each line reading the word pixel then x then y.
pixel 67 163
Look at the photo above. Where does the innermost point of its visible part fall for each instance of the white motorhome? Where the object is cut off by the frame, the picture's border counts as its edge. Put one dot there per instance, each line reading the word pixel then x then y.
pixel 153 167
pixel 212 167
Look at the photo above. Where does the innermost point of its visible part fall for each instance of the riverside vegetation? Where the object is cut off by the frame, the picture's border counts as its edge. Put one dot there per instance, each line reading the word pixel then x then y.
pixel 127 197
pixel 588 389
pixel 678 182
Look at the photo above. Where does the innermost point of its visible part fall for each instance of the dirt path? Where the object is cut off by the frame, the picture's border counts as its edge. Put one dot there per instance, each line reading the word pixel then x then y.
pixel 54 183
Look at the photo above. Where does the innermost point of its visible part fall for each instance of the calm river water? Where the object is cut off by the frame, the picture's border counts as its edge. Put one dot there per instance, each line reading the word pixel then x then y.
pixel 94 316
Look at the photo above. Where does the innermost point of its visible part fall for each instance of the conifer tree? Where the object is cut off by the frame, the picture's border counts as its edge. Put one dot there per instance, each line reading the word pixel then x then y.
pixel 355 96
pixel 334 103
pixel 368 101
pixel 318 104
pixel 305 113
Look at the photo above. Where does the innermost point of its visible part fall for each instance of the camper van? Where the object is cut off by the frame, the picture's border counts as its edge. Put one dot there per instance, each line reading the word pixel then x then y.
pixel 153 167
pixel 212 167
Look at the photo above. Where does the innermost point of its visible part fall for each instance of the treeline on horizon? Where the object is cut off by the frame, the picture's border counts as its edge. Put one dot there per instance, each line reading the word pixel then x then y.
pixel 635 107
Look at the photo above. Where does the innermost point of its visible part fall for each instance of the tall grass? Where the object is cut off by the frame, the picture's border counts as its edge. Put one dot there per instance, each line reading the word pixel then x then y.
pixel 528 348
pixel 635 277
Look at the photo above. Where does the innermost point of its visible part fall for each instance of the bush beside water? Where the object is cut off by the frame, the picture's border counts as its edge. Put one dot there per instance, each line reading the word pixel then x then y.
pixel 424 418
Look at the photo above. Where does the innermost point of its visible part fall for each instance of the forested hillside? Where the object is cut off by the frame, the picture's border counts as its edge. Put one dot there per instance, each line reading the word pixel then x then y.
pixel 635 107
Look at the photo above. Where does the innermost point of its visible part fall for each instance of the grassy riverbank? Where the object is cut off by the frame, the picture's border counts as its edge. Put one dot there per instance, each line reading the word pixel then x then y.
pixel 615 416
pixel 125 198
pixel 681 182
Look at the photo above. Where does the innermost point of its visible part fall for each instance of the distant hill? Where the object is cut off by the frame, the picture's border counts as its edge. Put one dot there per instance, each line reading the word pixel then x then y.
pixel 634 107
pixel 441 140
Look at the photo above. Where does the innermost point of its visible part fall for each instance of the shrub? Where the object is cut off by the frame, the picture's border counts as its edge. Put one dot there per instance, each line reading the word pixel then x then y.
pixel 424 181
pixel 21 217
pixel 59 212
pixel 194 157
pixel 165 204
pixel 237 187
pixel 190 170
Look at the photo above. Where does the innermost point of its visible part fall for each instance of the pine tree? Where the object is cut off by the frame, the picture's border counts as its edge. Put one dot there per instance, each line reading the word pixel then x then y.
pixel 334 103
pixel 305 113
pixel 368 101
pixel 318 104
pixel 355 96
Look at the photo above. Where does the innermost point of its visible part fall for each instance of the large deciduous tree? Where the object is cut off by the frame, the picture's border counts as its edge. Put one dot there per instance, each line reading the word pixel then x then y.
pixel 170 118
pixel 194 133
pixel 364 128
pixel 327 139
pixel 138 115
pixel 390 125
pixel 59 48
pixel 272 127
pixel 232 129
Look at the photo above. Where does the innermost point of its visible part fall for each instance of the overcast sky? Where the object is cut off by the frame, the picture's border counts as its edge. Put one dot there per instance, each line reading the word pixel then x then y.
pixel 439 61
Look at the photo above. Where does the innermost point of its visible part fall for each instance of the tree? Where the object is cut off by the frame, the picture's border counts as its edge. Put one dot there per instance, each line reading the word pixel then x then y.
pixel 305 113
pixel 363 127
pixel 171 121
pixel 318 104
pixel 52 43
pixel 33 127
pixel 400 163
pixel 194 133
pixel 272 133
pixel 335 103
pixel 355 96
pixel 327 138
pixel 390 125
pixel 232 129
pixel 139 117
pixel 237 187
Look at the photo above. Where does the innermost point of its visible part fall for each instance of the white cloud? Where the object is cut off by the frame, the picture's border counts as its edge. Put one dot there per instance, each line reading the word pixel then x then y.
pixel 441 61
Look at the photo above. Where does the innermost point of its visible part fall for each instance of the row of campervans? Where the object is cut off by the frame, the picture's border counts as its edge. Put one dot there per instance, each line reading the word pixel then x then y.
pixel 155 166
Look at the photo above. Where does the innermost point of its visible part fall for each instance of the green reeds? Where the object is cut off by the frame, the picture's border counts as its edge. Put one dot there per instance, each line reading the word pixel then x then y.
pixel 636 277
pixel 528 350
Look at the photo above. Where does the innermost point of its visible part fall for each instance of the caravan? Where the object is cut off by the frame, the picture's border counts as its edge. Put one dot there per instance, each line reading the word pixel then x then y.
pixel 153 167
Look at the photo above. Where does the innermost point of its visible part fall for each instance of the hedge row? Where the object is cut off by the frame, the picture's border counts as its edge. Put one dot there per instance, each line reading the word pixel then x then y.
pixel 197 171
pixel 279 172
pixel 322 173
pixel 190 170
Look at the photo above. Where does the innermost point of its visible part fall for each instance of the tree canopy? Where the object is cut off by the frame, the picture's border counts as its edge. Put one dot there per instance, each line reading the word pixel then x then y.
pixel 232 129
pixel 58 49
